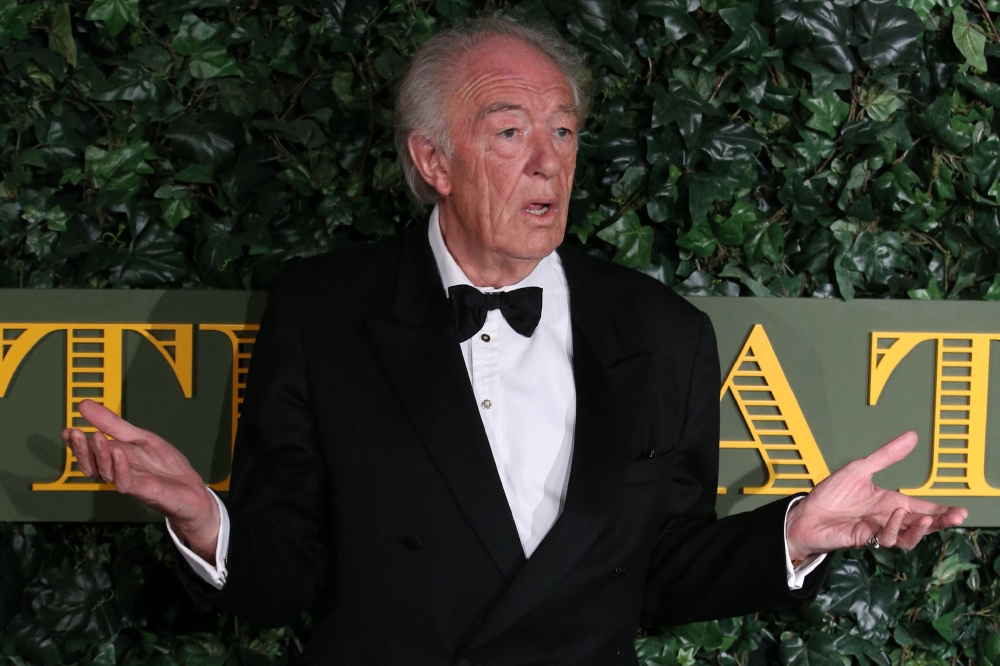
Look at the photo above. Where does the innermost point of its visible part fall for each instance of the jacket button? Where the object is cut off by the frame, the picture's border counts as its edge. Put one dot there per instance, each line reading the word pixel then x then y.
pixel 618 572
pixel 411 542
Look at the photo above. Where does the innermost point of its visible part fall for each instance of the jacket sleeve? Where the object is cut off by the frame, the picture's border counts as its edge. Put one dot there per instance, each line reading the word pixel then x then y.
pixel 277 502
pixel 704 568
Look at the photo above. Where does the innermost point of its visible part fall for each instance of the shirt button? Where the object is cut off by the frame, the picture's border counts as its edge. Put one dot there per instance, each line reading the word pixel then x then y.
pixel 484 337
pixel 487 403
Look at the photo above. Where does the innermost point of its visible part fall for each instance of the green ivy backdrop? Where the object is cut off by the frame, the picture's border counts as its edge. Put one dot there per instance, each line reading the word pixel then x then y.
pixel 830 148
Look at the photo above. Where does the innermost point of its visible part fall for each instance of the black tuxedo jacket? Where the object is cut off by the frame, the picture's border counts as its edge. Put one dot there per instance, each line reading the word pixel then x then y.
pixel 364 486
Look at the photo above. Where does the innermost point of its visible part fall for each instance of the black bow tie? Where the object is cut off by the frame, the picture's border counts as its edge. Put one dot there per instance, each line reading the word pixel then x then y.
pixel 522 308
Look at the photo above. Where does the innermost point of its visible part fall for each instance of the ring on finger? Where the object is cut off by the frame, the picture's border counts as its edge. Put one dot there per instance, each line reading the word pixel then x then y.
pixel 873 541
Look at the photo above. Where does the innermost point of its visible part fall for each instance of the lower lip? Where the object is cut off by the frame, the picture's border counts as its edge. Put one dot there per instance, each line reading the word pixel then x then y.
pixel 545 217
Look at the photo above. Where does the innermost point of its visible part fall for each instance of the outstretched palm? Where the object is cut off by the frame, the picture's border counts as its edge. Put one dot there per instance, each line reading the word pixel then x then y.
pixel 145 466
pixel 846 508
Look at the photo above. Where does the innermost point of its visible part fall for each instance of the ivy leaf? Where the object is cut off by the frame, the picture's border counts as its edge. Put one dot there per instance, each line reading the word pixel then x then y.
pixel 825 28
pixel 985 162
pixel 196 173
pixel 698 239
pixel 749 39
pixel 208 139
pixel 628 183
pixel 677 24
pixel 633 240
pixel 175 210
pixel 747 280
pixel 969 39
pixel 118 169
pixel 937 119
pixel 891 33
pixel 805 197
pixel 115 14
pixel 817 651
pixel 829 112
pixel 61 35
pixel 763 240
pixel 129 82
pixel 989 650
pixel 883 105
pixel 993 292
pixel 987 225
pixel 814 148
pixel 985 90
pixel 728 143
pixel 949 568
pixel 14 19
pixel 211 61
pixel 824 77
pixel 680 106
pixel 931 293
pixel 389 65
pixel 742 213
pixel 154 259
pixel 944 625
pixel 207 58
pixel 703 190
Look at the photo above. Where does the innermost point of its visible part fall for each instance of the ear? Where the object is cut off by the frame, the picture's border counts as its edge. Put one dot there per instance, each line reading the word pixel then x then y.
pixel 431 162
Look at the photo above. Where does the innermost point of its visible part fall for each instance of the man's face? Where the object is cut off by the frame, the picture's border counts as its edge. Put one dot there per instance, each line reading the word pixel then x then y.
pixel 513 127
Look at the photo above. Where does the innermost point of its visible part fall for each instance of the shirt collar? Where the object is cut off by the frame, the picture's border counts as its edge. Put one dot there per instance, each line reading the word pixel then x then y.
pixel 548 274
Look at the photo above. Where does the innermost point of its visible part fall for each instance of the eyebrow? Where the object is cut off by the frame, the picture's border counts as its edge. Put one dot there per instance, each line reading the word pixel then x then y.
pixel 497 107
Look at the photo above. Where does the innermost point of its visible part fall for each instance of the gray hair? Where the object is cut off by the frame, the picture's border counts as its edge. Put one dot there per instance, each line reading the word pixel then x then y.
pixel 429 81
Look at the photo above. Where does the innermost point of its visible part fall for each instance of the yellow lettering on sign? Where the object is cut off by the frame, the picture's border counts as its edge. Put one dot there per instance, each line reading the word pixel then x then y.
pixel 776 423
pixel 241 337
pixel 94 371
pixel 961 390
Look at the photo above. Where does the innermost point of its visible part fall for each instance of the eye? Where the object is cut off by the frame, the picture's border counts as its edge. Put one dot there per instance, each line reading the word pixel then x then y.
pixel 509 133
pixel 564 132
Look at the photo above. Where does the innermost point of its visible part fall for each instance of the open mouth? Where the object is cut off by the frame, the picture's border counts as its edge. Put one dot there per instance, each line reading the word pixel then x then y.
pixel 537 209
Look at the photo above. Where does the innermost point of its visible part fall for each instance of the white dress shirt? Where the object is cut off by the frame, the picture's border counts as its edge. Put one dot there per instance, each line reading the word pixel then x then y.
pixel 526 395
pixel 525 392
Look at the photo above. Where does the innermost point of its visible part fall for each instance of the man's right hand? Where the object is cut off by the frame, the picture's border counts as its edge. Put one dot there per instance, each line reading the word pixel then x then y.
pixel 145 466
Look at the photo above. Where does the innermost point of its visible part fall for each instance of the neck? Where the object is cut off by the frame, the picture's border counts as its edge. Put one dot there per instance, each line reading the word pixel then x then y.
pixel 483 267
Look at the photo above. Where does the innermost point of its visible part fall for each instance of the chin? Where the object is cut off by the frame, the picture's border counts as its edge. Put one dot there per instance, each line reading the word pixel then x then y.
pixel 540 243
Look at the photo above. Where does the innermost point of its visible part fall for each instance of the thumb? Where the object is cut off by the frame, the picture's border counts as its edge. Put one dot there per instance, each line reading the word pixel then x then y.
pixel 890 453
pixel 108 422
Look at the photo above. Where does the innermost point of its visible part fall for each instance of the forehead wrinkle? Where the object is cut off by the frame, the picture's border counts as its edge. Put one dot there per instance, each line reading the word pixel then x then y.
pixel 511 84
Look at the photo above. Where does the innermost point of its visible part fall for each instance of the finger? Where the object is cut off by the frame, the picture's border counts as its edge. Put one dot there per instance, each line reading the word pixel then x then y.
pixel 943 517
pixel 124 477
pixel 952 517
pixel 889 535
pixel 102 455
pixel 107 421
pixel 81 449
pixel 891 452
pixel 911 536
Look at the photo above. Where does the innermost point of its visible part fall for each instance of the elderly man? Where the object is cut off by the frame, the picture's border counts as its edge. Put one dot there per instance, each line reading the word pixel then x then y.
pixel 469 446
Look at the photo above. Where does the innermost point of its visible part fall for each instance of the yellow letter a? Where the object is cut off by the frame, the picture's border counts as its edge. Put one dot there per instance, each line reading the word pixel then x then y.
pixel 775 421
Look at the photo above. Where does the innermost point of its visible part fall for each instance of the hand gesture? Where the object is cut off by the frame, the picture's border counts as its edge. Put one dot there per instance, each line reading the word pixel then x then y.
pixel 846 509
pixel 145 466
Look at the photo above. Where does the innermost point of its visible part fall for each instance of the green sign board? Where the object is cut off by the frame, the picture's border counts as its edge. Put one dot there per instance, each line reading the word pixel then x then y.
pixel 807 386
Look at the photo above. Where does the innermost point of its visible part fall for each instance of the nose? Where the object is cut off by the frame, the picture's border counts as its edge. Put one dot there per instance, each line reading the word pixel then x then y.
pixel 545 159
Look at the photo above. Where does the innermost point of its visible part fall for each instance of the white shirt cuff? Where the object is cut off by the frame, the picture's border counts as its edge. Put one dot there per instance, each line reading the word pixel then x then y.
pixel 213 575
pixel 797 575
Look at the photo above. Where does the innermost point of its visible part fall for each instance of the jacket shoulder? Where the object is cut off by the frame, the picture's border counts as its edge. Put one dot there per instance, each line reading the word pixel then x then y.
pixel 635 296
pixel 347 267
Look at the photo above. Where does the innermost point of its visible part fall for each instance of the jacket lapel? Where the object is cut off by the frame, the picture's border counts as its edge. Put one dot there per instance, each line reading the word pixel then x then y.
pixel 611 385
pixel 421 353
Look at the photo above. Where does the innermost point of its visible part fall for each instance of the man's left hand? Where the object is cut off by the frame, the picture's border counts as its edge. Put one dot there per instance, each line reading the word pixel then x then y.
pixel 846 509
